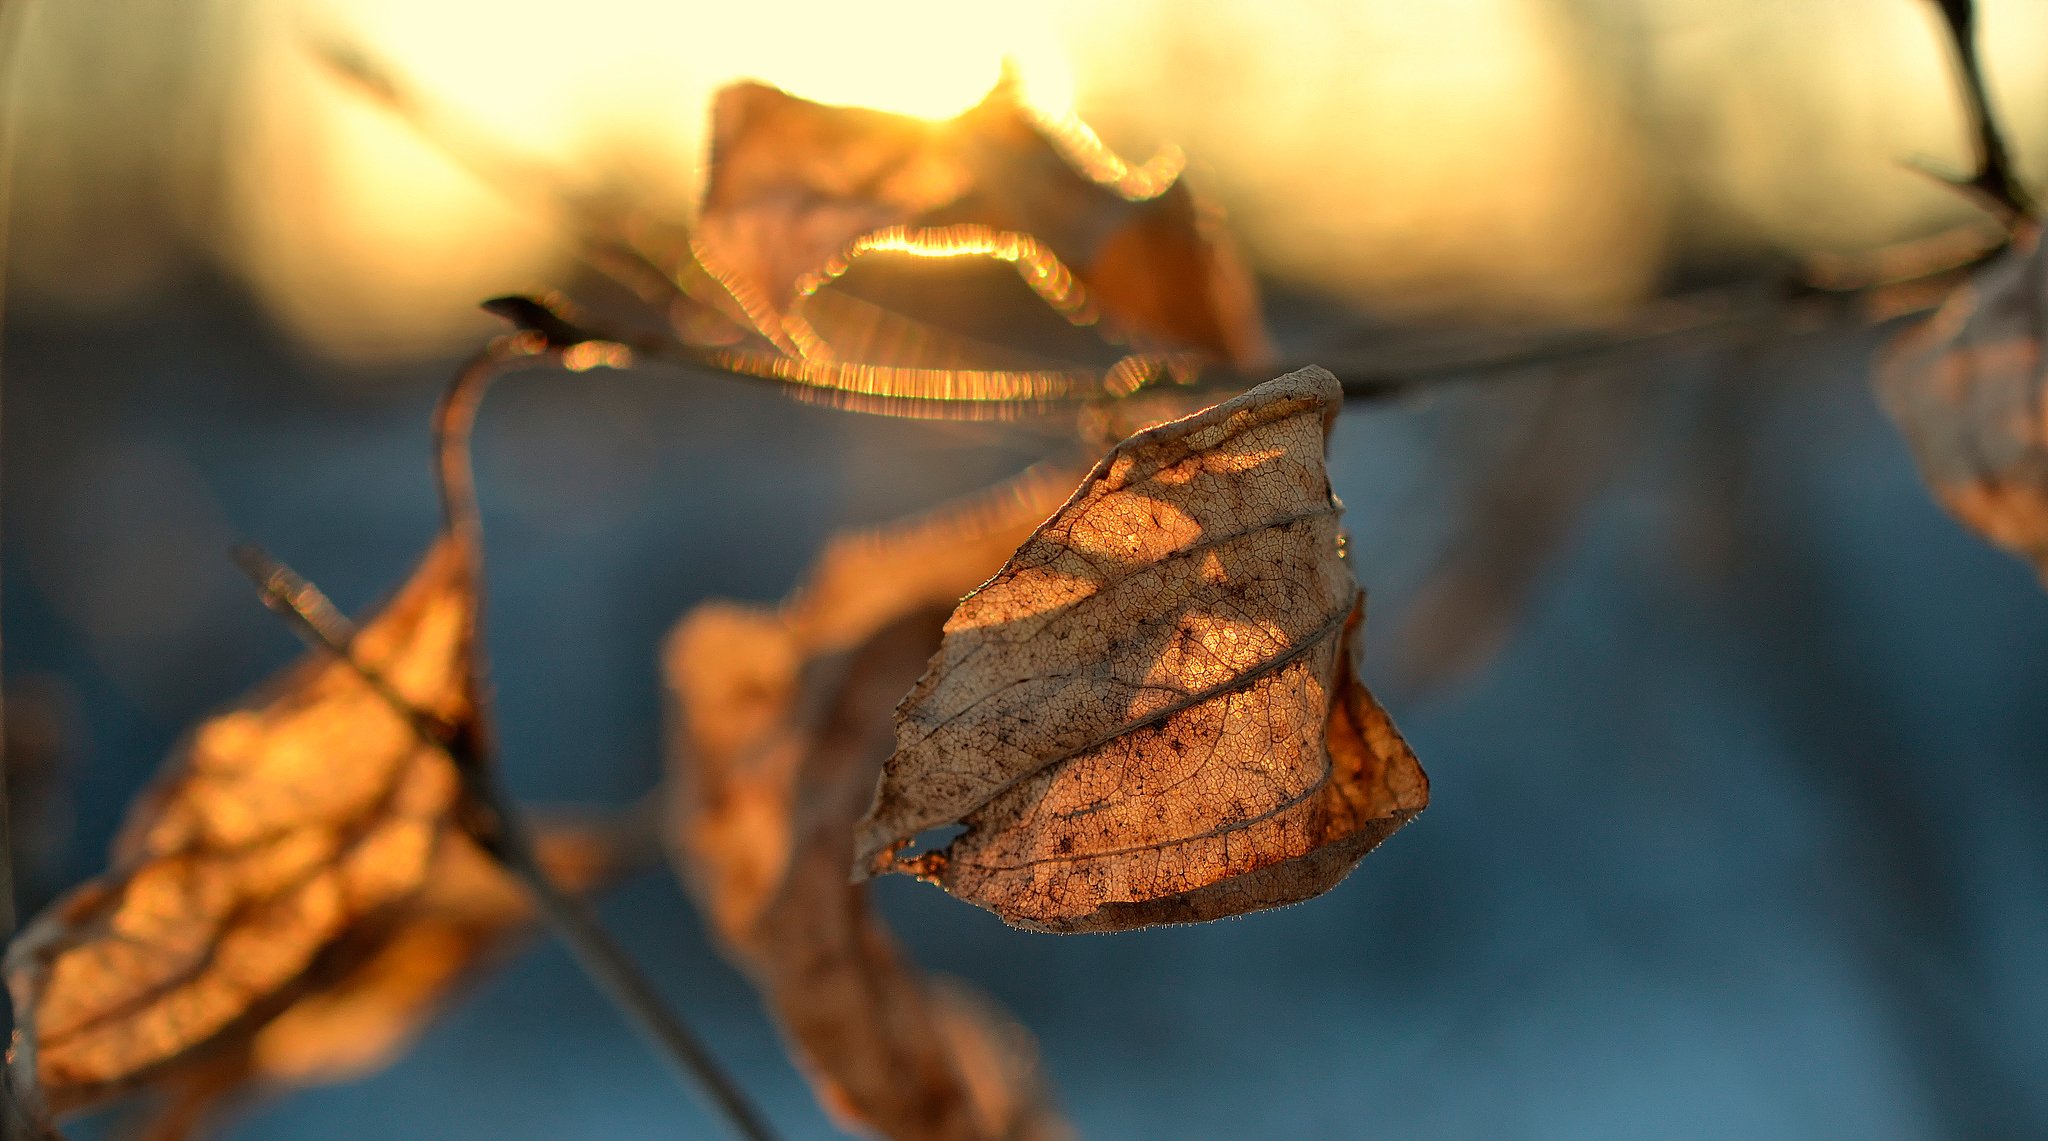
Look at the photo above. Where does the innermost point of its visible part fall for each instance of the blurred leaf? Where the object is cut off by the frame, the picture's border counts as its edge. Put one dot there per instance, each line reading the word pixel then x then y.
pixel 379 988
pixel 798 190
pixel 782 722
pixel 278 828
pixel 1969 389
pixel 1150 714
pixel 1520 503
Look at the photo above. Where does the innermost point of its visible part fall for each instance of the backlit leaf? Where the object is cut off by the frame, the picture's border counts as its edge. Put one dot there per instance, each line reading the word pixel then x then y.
pixel 1150 714
pixel 383 983
pixel 1969 388
pixel 797 191
pixel 278 827
pixel 782 721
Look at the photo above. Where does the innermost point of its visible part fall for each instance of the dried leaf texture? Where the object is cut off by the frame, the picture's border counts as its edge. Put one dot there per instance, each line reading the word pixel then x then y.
pixel 1969 389
pixel 1149 715
pixel 797 190
pixel 279 826
pixel 379 988
pixel 782 721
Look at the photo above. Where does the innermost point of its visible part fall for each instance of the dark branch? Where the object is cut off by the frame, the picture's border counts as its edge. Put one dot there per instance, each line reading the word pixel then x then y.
pixel 490 816
pixel 1993 184
pixel 1374 372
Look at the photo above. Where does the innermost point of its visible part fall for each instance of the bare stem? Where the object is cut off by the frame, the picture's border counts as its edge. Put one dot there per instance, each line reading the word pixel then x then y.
pixel 613 970
pixel 1369 373
pixel 1384 374
pixel 497 825
pixel 490 816
pixel 1994 182
pixel 498 828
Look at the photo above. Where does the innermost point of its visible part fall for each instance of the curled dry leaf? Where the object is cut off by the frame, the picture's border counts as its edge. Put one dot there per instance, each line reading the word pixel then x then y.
pixel 1150 714
pixel 1969 389
pixel 781 725
pixel 379 988
pixel 797 190
pixel 279 827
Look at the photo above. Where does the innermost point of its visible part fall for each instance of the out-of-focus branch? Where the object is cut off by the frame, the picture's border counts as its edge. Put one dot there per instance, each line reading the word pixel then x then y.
pixel 1993 184
pixel 1388 372
pixel 498 826
pixel 489 814
pixel 495 822
pixel 1381 372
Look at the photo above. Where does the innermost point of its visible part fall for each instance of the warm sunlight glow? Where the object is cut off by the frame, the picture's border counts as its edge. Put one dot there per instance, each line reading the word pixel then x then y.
pixel 1021 387
pixel 1046 275
pixel 1406 155
pixel 351 224
pixel 1499 154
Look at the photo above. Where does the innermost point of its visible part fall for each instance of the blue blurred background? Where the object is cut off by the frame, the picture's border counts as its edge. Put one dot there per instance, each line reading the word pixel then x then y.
pixel 1743 831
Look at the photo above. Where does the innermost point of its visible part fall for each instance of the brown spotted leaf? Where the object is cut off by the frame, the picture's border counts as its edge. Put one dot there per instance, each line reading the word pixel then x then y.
pixel 278 827
pixel 1969 388
pixel 798 190
pixel 384 983
pixel 1150 714
pixel 782 721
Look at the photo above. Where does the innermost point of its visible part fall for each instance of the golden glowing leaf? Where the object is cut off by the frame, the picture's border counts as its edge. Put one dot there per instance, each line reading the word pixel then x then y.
pixel 1969 389
pixel 280 826
pixel 782 720
pixel 1150 714
pixel 380 987
pixel 798 191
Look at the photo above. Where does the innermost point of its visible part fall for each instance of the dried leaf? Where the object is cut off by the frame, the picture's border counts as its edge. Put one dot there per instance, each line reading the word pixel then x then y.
pixel 782 719
pixel 1150 714
pixel 384 983
pixel 798 190
pixel 1969 389
pixel 278 827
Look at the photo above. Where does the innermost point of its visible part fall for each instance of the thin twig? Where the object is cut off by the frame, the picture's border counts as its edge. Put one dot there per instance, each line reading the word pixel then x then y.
pixel 316 620
pixel 1375 373
pixel 491 818
pixel 1993 183
pixel 1699 316
pixel 1368 374
pixel 498 827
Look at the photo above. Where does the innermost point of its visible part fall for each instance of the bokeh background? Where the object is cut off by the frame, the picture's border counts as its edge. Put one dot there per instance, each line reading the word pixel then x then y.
pixel 1740 824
